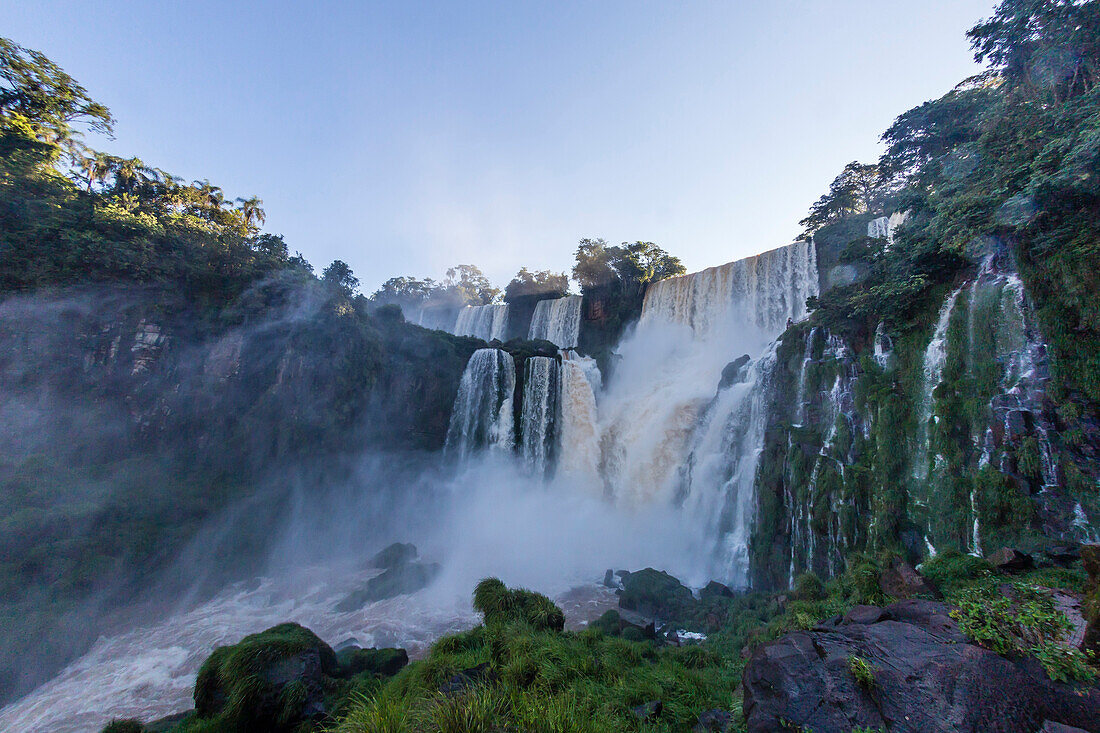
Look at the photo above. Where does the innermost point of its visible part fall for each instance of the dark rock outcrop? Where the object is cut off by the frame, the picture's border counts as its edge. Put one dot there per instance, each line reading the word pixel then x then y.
pixel 394 555
pixel 713 721
pixel 901 581
pixel 648 712
pixel 1010 560
pixel 927 677
pixel 398 580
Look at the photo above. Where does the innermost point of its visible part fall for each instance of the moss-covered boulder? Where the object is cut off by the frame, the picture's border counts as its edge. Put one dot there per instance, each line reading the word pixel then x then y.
pixel 271 681
pixel 499 604
pixel 381 662
pixel 657 594
pixel 613 624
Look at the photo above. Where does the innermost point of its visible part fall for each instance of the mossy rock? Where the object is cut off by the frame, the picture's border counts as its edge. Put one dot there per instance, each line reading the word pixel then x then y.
pixel 381 662
pixel 612 623
pixel 499 604
pixel 657 594
pixel 271 681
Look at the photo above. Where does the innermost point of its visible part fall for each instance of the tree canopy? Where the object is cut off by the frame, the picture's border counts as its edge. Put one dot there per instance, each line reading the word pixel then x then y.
pixel 598 263
pixel 538 282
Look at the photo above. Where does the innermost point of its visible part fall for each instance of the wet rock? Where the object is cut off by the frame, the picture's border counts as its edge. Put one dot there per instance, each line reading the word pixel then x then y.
pixel 733 372
pixel 1062 555
pixel 396 581
pixel 928 677
pixel 901 581
pixel 609 579
pixel 1090 557
pixel 648 712
pixel 395 555
pixel 713 721
pixel 1010 560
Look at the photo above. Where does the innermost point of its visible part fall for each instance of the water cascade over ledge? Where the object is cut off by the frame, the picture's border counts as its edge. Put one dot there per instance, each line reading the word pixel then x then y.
pixel 538 417
pixel 557 321
pixel 482 416
pixel 486 322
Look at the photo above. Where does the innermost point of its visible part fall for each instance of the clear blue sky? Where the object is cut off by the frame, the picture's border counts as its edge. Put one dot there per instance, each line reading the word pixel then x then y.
pixel 407 136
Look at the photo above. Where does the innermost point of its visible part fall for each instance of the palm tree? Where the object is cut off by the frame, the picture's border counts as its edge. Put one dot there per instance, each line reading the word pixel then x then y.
pixel 251 212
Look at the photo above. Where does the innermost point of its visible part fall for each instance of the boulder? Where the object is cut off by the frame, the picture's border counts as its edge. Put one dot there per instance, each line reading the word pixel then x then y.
pixel 1010 560
pixel 657 594
pixel 272 681
pixel 381 662
pixel 732 372
pixel 612 623
pixel 899 580
pixel 1090 606
pixel 1052 727
pixel 396 581
pixel 928 677
pixel 394 556
pixel 714 589
pixel 648 712
pixel 713 721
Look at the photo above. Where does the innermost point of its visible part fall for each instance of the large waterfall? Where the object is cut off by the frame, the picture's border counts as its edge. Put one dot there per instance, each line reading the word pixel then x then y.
pixel 754 294
pixel 557 321
pixel 486 322
pixel 482 415
pixel 538 417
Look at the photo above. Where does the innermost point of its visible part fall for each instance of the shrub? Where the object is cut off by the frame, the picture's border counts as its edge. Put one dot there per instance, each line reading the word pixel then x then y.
pixel 1064 663
pixel 124 726
pixel 951 569
pixel 500 605
pixel 1010 624
pixel 861 670
pixel 808 587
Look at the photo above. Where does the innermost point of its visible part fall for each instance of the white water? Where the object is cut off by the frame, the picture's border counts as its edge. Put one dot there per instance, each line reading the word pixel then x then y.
pixel 482 415
pixel 558 321
pixel 486 322
pixel 538 415
pixel 579 437
pixel 935 358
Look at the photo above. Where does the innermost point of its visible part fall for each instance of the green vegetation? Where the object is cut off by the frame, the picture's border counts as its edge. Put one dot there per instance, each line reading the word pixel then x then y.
pixel 862 671
pixel 500 605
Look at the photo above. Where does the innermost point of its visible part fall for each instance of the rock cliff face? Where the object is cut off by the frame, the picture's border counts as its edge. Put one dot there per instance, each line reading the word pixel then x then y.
pixel 915 671
pixel 939 437
pixel 130 416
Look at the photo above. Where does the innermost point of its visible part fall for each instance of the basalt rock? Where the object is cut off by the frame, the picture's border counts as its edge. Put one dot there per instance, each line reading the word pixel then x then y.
pixel 657 594
pixel 901 581
pixel 396 581
pixel 927 678
pixel 1010 560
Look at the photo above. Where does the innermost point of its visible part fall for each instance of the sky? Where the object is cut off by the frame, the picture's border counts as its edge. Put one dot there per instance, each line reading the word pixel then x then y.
pixel 404 137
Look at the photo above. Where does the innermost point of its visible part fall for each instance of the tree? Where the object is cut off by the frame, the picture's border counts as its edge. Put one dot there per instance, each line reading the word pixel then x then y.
pixel 539 282
pixel 404 291
pixel 593 263
pixel 339 276
pixel 645 262
pixel 470 285
pixel 1048 46
pixel 856 190
pixel 597 263
pixel 251 212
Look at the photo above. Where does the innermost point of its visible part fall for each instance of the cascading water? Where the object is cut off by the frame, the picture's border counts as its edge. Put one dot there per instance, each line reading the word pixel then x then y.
pixel 538 416
pixel 578 434
pixel 717 484
pixel 558 321
pixel 486 322
pixel 661 413
pixel 935 358
pixel 762 292
pixel 482 416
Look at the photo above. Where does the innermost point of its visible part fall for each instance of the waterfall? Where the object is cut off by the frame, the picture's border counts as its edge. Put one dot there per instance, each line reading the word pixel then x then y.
pixel 762 292
pixel 558 321
pixel 935 358
pixel 486 322
pixel 800 398
pixel 541 375
pixel 579 437
pixel 482 414
pixel 719 474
